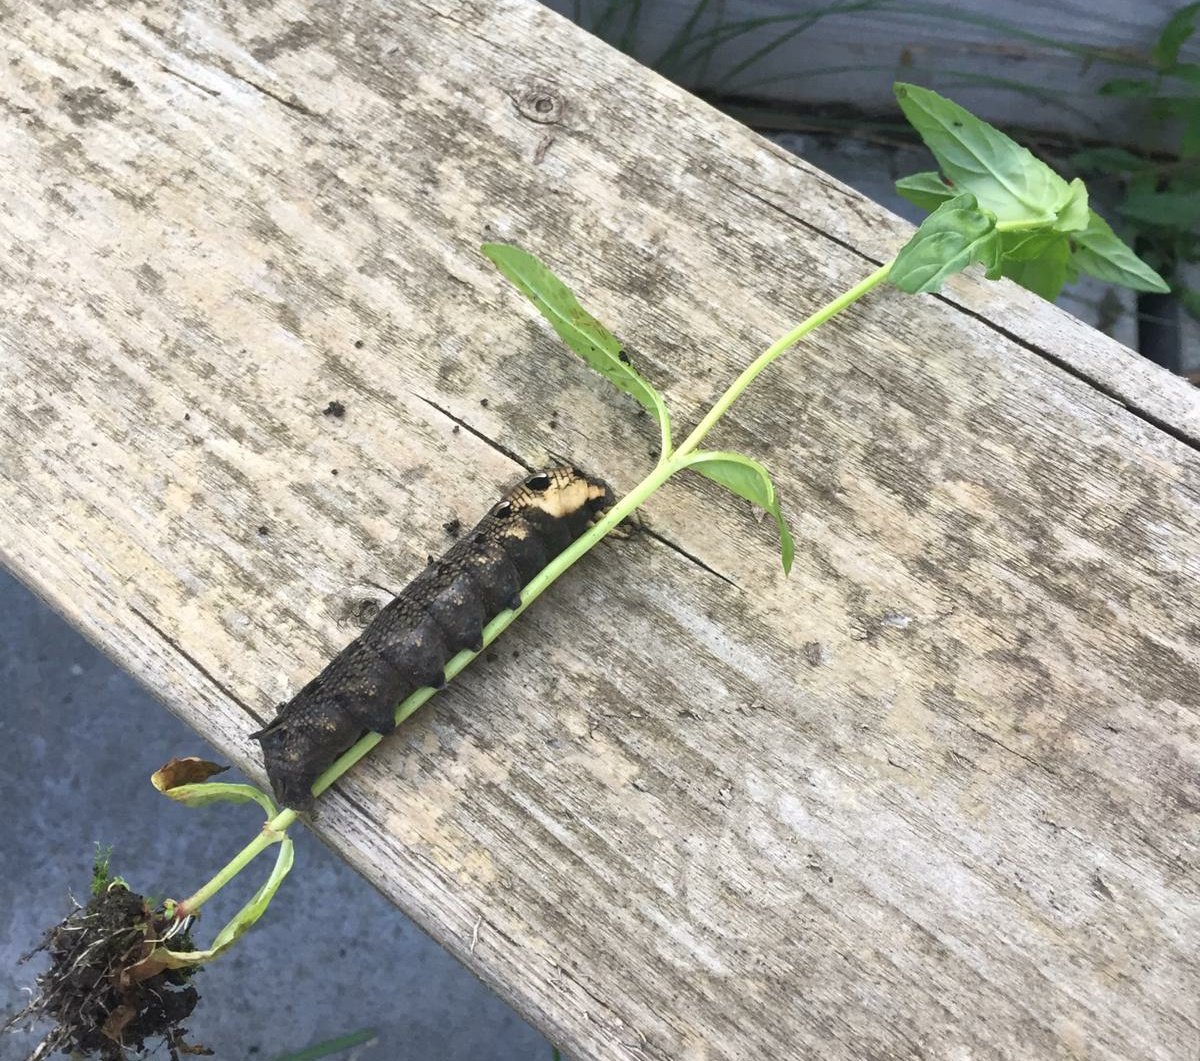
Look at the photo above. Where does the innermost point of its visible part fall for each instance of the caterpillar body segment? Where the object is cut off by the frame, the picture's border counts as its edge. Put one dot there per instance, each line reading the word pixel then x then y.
pixel 442 611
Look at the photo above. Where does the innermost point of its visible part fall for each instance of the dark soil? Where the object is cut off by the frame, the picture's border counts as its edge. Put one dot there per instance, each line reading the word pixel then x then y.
pixel 102 1002
pixel 335 409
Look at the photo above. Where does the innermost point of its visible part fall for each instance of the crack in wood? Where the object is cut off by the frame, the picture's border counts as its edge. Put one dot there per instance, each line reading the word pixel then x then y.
pixel 382 589
pixel 477 433
pixel 290 102
pixel 1066 367
pixel 677 548
pixel 177 647
pixel 815 229
pixel 190 81
pixel 984 735
pixel 1059 363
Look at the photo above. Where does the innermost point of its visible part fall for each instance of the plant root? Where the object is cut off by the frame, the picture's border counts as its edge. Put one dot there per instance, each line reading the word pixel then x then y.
pixel 105 998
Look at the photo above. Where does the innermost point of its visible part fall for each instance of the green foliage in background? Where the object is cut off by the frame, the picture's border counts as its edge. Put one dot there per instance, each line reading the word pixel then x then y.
pixel 1160 201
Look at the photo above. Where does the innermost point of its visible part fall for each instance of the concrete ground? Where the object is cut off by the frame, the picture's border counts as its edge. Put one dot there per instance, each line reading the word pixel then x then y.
pixel 330 957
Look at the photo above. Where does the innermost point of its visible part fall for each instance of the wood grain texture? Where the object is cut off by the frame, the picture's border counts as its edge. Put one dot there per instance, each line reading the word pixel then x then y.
pixel 934 796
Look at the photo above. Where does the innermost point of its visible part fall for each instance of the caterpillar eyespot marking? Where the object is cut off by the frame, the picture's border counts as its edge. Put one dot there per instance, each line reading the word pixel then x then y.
pixel 442 611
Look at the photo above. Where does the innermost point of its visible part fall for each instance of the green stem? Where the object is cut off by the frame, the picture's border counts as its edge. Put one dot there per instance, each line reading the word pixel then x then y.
pixel 781 345
pixel 278 825
pixel 668 465
pixel 272 832
pixel 1024 224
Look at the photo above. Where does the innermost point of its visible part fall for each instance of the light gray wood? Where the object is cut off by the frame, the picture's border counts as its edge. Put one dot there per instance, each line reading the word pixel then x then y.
pixel 1013 62
pixel 933 796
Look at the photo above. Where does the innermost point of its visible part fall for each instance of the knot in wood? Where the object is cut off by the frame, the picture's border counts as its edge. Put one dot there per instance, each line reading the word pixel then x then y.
pixel 540 102
pixel 360 612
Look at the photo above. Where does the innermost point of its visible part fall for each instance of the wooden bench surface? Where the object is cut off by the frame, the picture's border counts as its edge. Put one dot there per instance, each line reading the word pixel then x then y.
pixel 936 795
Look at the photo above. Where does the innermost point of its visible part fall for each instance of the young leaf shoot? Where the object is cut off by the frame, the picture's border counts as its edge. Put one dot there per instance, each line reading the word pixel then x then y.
pixel 1042 234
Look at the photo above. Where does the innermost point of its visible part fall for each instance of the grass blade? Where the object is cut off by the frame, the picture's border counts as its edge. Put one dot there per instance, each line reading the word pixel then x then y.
pixel 329 1047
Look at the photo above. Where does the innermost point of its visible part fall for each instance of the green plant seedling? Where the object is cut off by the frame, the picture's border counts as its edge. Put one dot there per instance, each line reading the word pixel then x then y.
pixel 993 203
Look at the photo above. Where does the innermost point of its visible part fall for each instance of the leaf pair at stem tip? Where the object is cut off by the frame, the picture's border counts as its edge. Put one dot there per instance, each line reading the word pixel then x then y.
pixel 995 203
pixel 605 353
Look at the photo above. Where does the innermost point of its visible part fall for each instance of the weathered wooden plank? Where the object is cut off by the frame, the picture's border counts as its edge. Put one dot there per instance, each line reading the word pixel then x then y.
pixel 936 795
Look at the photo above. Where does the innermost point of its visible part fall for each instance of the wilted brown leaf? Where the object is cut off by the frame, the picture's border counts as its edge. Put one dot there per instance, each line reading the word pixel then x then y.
pixel 117 1019
pixel 186 771
pixel 150 964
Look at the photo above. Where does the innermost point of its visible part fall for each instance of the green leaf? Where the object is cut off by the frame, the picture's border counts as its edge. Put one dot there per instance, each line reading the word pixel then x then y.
pixel 1191 300
pixel 1177 31
pixel 954 236
pixel 1189 72
pixel 1107 160
pixel 1004 177
pixel 1073 214
pixel 1045 274
pixel 257 906
pixel 1172 209
pixel 1100 253
pixel 1185 107
pixel 926 190
pixel 1189 142
pixel 1125 86
pixel 201 795
pixel 1023 245
pixel 749 479
pixel 577 328
pixel 240 923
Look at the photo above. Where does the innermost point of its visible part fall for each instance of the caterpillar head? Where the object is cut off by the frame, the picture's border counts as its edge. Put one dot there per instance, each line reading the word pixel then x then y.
pixel 561 492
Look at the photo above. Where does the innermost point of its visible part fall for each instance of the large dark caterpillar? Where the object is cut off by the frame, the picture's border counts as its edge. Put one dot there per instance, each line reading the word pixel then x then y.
pixel 442 611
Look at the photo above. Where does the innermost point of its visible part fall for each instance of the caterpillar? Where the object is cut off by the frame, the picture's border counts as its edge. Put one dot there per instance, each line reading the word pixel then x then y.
pixel 442 611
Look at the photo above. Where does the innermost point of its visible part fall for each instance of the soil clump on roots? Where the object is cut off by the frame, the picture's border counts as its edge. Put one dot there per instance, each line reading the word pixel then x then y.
pixel 107 998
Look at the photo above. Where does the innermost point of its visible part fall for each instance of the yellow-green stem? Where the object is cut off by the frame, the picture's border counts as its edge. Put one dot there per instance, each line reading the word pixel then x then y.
pixel 669 463
pixel 782 344
pixel 277 826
